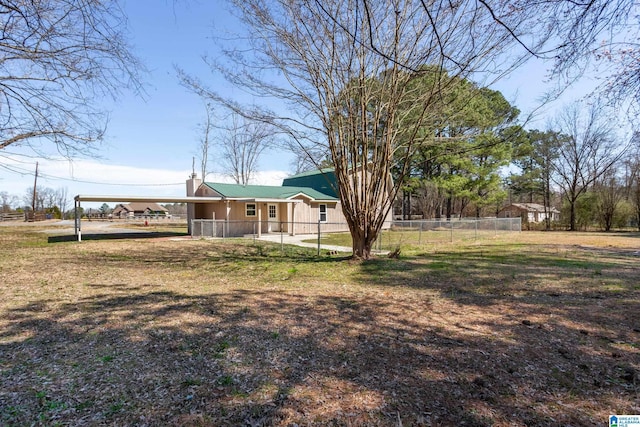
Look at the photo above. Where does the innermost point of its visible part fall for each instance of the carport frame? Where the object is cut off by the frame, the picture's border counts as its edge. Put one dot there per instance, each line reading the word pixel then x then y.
pixel 132 199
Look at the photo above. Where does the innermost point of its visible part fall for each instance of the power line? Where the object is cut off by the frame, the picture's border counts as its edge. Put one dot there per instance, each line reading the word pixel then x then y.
pixel 25 172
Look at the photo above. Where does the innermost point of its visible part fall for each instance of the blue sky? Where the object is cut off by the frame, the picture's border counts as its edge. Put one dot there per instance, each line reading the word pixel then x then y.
pixel 150 142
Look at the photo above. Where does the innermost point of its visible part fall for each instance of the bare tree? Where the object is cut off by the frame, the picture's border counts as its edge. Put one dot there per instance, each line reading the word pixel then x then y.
pixel 610 193
pixel 346 67
pixel 309 158
pixel 9 202
pixel 56 58
pixel 588 152
pixel 62 199
pixel 599 35
pixel 429 199
pixel 49 197
pixel 632 177
pixel 206 130
pixel 242 142
pixel 34 199
pixel 635 194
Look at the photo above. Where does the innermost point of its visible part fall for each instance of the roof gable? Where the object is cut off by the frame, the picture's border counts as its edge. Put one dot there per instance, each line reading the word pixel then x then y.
pixel 323 181
pixel 154 207
pixel 140 207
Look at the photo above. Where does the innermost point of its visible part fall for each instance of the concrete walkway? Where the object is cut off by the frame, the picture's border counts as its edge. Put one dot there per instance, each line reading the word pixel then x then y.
pixel 298 241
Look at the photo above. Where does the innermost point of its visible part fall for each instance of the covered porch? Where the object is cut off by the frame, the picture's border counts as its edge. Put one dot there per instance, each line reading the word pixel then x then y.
pixel 251 215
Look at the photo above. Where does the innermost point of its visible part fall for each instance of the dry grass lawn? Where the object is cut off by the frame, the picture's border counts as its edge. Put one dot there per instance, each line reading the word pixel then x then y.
pixel 531 329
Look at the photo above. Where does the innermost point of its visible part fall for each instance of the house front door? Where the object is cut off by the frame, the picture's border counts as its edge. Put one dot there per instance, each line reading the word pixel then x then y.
pixel 272 215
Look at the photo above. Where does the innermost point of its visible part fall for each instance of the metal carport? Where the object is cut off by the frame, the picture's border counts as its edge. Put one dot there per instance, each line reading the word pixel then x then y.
pixel 132 199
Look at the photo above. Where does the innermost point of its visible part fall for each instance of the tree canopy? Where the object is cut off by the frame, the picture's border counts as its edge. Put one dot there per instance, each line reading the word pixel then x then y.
pixel 58 58
pixel 347 67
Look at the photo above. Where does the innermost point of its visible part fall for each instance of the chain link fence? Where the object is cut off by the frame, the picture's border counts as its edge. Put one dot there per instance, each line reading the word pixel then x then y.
pixel 421 232
pixel 249 229
pixel 394 234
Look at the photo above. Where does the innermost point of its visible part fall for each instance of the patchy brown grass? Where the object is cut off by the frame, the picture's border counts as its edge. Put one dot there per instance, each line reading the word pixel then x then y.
pixel 534 329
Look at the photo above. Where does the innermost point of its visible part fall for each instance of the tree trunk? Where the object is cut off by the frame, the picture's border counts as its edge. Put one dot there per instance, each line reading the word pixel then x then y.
pixel 547 206
pixel 362 243
pixel 572 215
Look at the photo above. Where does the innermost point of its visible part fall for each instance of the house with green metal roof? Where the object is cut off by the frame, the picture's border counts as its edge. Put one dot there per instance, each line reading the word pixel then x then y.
pixel 296 207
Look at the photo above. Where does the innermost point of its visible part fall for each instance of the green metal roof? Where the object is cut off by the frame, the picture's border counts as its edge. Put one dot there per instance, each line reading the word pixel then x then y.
pixel 237 191
pixel 323 180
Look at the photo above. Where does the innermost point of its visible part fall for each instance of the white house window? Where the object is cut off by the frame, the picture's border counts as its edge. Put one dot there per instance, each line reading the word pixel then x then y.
pixel 323 213
pixel 250 209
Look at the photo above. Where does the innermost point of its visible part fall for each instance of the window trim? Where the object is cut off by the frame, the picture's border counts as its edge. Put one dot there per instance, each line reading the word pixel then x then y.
pixel 325 213
pixel 275 211
pixel 246 210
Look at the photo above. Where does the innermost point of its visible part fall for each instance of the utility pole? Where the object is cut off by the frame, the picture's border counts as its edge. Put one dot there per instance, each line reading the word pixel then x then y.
pixel 33 200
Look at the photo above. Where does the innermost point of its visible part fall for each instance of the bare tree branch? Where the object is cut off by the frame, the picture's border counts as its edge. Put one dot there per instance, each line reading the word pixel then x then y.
pixel 56 58
pixel 344 69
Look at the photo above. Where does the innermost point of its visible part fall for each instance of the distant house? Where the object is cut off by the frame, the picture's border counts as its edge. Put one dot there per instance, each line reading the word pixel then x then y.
pixel 139 209
pixel 295 207
pixel 531 212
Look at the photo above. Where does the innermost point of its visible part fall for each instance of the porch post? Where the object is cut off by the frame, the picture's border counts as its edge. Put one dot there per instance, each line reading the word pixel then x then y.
pixel 226 218
pixel 259 219
pixel 292 232
pixel 76 220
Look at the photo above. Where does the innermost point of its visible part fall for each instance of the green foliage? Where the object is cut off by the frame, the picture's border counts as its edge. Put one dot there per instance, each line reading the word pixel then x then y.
pixel 624 215
pixel 534 158
pixel 225 380
pixel 55 211
pixel 586 210
pixel 463 144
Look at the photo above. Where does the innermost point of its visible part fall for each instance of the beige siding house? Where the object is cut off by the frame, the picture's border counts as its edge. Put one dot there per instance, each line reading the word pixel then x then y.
pixel 296 207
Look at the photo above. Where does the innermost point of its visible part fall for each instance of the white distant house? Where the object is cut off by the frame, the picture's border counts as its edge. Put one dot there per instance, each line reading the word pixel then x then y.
pixel 531 212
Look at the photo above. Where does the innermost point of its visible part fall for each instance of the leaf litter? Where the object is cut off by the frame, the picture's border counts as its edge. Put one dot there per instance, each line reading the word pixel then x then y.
pixel 195 332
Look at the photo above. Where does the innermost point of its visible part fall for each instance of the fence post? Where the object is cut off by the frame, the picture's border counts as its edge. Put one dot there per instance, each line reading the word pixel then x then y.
pixel 495 226
pixel 451 225
pixel 420 235
pixel 476 238
pixel 318 237
pixel 281 240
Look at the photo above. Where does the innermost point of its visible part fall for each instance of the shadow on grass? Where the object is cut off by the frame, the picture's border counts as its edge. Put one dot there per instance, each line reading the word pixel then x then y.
pixel 250 357
pixel 445 339
pixel 117 236
pixel 598 288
